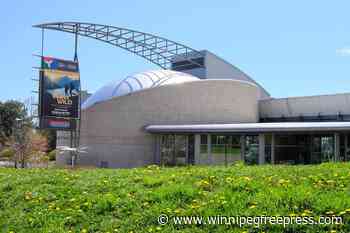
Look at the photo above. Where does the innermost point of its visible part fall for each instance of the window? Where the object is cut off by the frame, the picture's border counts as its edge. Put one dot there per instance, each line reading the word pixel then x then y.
pixel 204 144
pixel 173 150
pixel 225 148
pixel 188 65
pixel 251 149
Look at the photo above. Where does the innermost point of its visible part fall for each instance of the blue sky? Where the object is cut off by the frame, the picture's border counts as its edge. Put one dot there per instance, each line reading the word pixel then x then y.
pixel 293 49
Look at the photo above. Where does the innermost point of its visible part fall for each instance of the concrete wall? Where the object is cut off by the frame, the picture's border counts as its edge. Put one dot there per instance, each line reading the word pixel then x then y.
pixel 306 106
pixel 219 68
pixel 114 130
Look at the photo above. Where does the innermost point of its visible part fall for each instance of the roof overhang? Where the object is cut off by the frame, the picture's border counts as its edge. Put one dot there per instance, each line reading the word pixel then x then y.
pixel 251 127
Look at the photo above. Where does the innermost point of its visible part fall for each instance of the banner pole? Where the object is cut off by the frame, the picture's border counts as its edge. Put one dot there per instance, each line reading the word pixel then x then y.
pixel 78 126
pixel 42 41
pixel 41 80
pixel 76 43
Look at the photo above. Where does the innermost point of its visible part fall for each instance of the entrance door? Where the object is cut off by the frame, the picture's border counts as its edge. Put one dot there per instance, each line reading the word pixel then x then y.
pixel 174 150
pixel 180 155
pixel 322 149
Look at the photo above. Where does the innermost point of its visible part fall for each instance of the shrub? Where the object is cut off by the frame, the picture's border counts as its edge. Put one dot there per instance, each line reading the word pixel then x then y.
pixel 7 153
pixel 52 155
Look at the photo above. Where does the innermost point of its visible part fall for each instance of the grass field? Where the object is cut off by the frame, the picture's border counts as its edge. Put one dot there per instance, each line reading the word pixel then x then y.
pixel 39 200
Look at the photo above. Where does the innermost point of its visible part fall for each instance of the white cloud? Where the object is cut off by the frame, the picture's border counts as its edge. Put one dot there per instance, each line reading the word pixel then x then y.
pixel 343 51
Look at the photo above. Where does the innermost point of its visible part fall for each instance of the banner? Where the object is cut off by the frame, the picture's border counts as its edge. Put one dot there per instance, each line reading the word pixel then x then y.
pixel 50 63
pixel 59 89
pixel 58 124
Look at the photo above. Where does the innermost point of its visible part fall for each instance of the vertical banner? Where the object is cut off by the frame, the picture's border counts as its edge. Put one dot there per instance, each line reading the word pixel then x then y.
pixel 59 93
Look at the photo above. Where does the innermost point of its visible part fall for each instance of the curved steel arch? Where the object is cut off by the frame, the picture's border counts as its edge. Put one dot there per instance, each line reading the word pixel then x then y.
pixel 155 49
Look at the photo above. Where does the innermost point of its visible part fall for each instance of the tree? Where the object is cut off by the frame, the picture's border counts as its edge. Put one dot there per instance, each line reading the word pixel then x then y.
pixel 29 145
pixel 18 135
pixel 9 112
pixel 51 138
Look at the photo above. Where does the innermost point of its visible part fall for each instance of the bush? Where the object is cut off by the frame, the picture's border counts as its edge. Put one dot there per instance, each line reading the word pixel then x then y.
pixel 52 155
pixel 7 153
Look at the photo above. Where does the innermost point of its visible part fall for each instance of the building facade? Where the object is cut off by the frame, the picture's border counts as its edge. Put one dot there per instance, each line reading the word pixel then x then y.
pixel 208 114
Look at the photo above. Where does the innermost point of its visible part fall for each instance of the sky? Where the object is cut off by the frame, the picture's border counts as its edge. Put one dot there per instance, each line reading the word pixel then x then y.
pixel 292 48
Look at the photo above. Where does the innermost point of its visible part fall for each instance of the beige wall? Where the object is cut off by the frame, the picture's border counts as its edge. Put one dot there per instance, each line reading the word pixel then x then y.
pixel 114 130
pixel 219 68
pixel 306 106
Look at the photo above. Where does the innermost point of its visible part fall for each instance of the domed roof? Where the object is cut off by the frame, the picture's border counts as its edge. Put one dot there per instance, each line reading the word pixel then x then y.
pixel 137 82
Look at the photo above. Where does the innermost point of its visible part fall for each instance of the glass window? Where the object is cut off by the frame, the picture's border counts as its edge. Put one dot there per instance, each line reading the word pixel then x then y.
pixel 327 148
pixel 204 139
pixel 167 150
pixel 251 149
pixel 204 144
pixel 173 150
pixel 225 149
pixel 180 150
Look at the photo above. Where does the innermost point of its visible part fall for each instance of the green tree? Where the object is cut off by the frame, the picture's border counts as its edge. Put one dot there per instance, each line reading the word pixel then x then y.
pixel 10 111
pixel 51 138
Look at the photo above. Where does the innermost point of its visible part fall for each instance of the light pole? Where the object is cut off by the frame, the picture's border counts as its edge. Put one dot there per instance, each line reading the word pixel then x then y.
pixel 19 136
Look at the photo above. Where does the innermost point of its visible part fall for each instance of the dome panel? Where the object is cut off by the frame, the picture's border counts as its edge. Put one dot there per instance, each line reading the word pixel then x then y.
pixel 137 82
pixel 122 88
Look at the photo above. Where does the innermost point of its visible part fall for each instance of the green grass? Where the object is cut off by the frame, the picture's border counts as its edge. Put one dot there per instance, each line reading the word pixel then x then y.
pixel 40 200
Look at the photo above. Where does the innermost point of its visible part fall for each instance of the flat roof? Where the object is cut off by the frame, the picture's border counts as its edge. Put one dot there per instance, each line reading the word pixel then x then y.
pixel 250 127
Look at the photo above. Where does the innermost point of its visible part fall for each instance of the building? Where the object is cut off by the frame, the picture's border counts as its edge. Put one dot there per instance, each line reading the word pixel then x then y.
pixel 211 115
pixel 199 109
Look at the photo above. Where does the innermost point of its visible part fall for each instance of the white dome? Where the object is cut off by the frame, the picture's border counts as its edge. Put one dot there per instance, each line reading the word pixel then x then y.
pixel 137 82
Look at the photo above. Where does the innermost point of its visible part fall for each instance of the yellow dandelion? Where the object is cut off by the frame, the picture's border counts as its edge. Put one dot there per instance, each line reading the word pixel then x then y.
pixel 342 213
pixel 308 211
pixel 247 178
pixel 177 211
